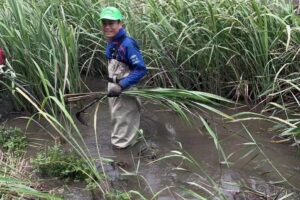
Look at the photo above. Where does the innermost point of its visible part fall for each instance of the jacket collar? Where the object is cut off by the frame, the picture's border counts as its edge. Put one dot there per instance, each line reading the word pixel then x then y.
pixel 119 36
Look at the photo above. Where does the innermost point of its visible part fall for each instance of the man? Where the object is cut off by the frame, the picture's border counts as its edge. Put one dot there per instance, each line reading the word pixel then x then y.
pixel 125 69
pixel 2 60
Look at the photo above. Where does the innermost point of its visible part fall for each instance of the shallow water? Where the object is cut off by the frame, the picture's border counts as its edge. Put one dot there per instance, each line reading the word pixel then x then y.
pixel 248 175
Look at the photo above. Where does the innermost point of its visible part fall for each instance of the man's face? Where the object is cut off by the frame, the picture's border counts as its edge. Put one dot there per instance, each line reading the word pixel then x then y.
pixel 111 28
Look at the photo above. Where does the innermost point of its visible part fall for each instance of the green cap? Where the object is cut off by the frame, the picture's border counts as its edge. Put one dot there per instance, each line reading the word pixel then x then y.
pixel 111 13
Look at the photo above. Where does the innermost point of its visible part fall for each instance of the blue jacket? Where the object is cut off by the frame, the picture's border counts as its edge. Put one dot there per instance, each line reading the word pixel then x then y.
pixel 130 54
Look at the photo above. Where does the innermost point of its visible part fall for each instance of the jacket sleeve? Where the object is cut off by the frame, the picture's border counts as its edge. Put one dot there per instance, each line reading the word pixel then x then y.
pixel 136 64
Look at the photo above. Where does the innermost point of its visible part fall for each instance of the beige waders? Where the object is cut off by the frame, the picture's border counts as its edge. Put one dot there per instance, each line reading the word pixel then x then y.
pixel 124 110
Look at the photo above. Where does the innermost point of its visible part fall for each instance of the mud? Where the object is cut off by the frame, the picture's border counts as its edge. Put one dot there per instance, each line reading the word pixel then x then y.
pixel 255 169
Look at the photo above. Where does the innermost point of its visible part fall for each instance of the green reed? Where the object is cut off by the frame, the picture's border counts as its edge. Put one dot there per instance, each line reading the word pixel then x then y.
pixel 237 48
pixel 228 47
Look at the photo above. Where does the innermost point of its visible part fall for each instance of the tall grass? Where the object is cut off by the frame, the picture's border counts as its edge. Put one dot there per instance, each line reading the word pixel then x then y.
pixel 41 46
pixel 236 48
pixel 210 45
pixel 219 46
pixel 15 180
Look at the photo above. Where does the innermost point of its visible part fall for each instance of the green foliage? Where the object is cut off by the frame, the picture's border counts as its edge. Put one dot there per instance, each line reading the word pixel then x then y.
pixel 247 48
pixel 54 162
pixel 217 46
pixel 12 140
pixel 12 188
pixel 118 195
pixel 41 46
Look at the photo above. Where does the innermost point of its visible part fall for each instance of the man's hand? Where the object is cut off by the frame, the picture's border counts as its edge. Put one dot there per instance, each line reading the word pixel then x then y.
pixel 115 91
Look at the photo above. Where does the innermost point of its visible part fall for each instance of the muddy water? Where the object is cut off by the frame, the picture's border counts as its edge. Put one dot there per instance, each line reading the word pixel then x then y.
pixel 248 175
pixel 167 132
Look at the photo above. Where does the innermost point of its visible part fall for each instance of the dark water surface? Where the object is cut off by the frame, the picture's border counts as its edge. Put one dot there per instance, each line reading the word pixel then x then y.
pixel 248 175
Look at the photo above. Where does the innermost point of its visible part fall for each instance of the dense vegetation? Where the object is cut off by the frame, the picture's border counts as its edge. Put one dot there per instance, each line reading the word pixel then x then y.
pixel 242 49
pixel 247 48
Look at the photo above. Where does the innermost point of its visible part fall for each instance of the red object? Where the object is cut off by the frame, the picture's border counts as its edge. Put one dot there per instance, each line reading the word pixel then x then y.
pixel 2 57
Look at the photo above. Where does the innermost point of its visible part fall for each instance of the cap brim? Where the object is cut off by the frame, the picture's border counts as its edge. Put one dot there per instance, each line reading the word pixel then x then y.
pixel 110 18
